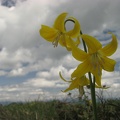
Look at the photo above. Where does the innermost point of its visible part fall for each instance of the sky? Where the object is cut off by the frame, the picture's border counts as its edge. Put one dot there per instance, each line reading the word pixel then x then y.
pixel 29 65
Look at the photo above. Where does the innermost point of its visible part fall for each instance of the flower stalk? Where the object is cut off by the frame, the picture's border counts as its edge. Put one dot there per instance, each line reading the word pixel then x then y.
pixel 93 96
pixel 92 86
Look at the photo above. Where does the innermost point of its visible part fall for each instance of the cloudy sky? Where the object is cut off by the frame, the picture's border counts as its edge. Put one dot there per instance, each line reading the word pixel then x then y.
pixel 29 65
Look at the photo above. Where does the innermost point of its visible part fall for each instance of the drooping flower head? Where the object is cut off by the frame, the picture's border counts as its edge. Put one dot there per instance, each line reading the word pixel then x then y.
pixel 79 83
pixel 96 59
pixel 58 34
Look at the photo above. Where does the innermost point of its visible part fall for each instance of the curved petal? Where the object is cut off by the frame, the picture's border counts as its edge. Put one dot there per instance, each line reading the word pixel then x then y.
pixel 93 44
pixel 102 87
pixel 62 40
pixel 110 48
pixel 63 78
pixel 48 33
pixel 76 30
pixel 68 42
pixel 77 53
pixel 109 64
pixel 77 42
pixel 83 81
pixel 59 22
pixel 74 84
pixel 82 69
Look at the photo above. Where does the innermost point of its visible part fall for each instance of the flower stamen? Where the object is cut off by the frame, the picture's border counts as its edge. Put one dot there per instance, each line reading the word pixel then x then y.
pixel 97 62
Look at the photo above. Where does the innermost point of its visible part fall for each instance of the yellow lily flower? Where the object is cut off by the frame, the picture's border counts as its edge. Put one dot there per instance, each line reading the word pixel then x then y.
pixel 79 83
pixel 58 34
pixel 76 83
pixel 96 59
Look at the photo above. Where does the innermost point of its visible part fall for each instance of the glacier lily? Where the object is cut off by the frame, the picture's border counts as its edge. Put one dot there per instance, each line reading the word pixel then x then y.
pixel 76 83
pixel 79 83
pixel 58 34
pixel 96 59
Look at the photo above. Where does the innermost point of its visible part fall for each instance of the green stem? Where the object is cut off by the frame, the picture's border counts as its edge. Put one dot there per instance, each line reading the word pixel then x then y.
pixel 92 86
pixel 93 96
pixel 92 83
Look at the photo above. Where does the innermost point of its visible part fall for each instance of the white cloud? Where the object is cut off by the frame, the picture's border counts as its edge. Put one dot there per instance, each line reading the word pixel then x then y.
pixel 13 60
pixel 17 72
pixel 29 90
pixel 3 25
pixel 40 82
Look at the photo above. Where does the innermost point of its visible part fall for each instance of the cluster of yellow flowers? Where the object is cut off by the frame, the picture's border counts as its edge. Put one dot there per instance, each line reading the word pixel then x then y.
pixel 93 61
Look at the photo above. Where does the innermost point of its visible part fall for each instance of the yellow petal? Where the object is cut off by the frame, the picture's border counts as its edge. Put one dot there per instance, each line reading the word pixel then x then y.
pixel 65 41
pixel 109 64
pixel 84 81
pixel 48 33
pixel 82 69
pixel 69 41
pixel 77 53
pixel 76 83
pixel 97 72
pixel 62 40
pixel 59 22
pixel 77 42
pixel 63 78
pixel 68 45
pixel 102 87
pixel 93 44
pixel 76 30
pixel 110 48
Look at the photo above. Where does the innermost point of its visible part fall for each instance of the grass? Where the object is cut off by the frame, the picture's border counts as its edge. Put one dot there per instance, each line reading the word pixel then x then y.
pixel 58 110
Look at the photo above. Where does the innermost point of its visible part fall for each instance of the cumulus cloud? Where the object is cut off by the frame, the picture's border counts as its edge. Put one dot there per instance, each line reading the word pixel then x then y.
pixel 32 89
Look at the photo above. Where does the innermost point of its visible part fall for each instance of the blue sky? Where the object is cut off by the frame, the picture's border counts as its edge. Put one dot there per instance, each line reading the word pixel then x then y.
pixel 29 65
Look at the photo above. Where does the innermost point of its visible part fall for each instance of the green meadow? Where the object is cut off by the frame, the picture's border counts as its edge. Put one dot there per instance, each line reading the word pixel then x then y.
pixel 108 109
